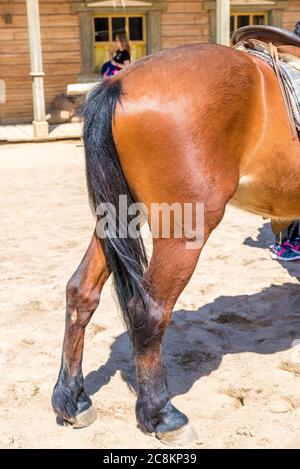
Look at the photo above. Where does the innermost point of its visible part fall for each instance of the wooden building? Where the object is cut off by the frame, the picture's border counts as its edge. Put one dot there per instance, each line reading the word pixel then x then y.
pixel 77 36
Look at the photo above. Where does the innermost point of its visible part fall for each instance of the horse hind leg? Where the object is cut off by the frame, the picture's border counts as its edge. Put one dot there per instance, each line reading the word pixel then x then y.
pixel 170 268
pixel 69 400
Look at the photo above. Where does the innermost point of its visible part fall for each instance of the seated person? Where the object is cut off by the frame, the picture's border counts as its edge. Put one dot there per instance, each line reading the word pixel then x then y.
pixel 121 58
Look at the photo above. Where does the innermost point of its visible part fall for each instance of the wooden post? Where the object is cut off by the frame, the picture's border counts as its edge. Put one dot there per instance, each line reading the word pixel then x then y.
pixel 223 22
pixel 86 42
pixel 40 125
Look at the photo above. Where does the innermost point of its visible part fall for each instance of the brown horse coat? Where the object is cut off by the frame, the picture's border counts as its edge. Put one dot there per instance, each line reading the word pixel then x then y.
pixel 196 124
pixel 201 122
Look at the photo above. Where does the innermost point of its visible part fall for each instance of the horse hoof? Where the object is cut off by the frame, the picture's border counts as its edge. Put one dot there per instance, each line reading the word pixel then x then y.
pixel 179 437
pixel 85 418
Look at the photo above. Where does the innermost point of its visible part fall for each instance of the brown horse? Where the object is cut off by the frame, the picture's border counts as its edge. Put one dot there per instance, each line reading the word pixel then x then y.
pixel 200 123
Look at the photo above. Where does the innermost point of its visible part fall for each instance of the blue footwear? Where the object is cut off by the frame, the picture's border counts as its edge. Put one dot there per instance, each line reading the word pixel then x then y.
pixel 283 252
pixel 294 245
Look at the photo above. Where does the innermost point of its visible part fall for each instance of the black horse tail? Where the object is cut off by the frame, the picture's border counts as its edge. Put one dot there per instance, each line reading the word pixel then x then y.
pixel 125 256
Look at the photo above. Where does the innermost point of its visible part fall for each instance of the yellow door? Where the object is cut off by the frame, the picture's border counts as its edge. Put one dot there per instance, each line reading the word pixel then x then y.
pixel 106 27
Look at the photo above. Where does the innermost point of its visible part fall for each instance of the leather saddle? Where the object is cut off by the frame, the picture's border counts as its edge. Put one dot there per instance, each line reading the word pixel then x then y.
pixel 277 36
pixel 287 45
pixel 286 41
pixel 275 46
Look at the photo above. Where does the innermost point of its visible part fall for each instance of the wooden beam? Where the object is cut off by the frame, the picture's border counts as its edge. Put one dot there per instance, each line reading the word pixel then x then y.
pixel 40 125
pixel 223 22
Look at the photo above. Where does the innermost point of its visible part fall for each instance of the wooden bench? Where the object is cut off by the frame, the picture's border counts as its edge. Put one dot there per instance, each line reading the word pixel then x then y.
pixel 81 88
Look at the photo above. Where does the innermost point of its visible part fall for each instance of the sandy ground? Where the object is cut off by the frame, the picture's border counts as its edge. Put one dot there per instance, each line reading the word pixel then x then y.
pixel 228 351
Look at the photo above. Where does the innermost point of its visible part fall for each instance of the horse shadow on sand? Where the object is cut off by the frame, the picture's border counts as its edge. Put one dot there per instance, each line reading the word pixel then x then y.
pixel 264 240
pixel 195 342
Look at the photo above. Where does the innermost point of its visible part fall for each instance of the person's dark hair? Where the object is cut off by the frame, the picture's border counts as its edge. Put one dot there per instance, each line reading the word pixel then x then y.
pixel 122 37
pixel 297 28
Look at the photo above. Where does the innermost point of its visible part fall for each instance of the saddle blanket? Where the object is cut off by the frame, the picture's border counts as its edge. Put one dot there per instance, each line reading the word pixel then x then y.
pixel 290 72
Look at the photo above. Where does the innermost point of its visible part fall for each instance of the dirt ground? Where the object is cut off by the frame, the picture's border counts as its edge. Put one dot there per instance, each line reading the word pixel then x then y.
pixel 229 351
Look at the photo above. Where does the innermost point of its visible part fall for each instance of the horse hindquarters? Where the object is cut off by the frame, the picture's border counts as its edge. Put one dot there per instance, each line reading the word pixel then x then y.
pixel 167 163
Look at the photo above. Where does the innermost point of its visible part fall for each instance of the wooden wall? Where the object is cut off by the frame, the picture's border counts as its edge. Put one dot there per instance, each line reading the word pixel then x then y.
pixel 291 14
pixel 61 55
pixel 184 22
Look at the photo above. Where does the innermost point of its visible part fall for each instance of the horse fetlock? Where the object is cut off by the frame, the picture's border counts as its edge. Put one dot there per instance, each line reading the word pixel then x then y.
pixel 153 418
pixel 70 400
pixel 170 419
pixel 146 416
